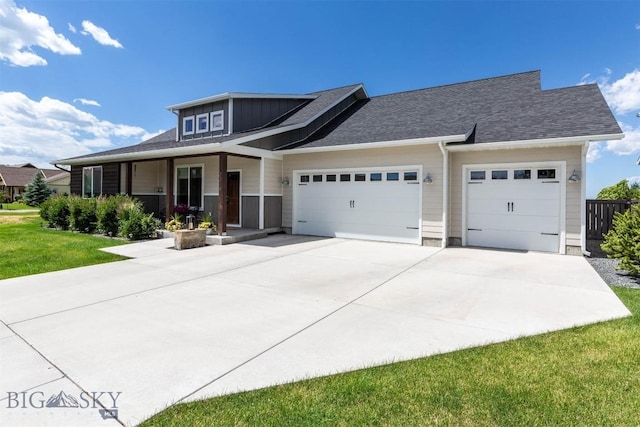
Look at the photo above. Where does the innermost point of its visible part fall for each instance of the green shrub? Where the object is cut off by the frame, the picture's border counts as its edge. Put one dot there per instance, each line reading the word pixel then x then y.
pixel 82 216
pixel 107 212
pixel 134 223
pixel 622 242
pixel 55 211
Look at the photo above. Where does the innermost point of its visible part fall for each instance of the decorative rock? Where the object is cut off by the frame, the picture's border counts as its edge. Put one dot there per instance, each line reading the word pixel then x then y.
pixel 187 239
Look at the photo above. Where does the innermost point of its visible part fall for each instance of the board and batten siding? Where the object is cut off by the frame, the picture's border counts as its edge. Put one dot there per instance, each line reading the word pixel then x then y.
pixel 428 156
pixel 572 155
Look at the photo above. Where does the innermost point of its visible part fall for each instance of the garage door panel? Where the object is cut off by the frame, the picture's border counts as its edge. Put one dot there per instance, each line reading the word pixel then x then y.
pixel 518 240
pixel 375 210
pixel 513 213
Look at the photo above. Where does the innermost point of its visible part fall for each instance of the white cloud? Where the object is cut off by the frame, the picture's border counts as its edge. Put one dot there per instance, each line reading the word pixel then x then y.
pixel 150 135
pixel 634 179
pixel 630 144
pixel 622 95
pixel 637 26
pixel 20 30
pixel 87 102
pixel 99 34
pixel 595 148
pixel 72 29
pixel 50 129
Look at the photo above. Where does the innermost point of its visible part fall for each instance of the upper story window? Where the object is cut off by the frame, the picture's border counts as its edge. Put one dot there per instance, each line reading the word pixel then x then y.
pixel 188 125
pixel 217 120
pixel 202 123
pixel 91 181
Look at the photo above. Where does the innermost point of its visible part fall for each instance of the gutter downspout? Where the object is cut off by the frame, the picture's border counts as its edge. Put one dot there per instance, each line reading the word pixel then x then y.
pixel 60 167
pixel 177 124
pixel 583 192
pixel 445 193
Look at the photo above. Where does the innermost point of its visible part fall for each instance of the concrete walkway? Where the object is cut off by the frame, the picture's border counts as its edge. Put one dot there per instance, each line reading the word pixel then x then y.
pixel 171 326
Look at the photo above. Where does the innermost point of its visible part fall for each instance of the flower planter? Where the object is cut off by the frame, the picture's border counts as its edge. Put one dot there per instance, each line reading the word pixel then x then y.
pixel 187 239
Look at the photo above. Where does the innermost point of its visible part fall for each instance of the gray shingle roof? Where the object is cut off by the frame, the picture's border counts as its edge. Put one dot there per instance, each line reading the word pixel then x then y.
pixel 508 108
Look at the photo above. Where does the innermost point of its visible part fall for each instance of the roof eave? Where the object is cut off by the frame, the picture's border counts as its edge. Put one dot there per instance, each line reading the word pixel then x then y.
pixel 535 143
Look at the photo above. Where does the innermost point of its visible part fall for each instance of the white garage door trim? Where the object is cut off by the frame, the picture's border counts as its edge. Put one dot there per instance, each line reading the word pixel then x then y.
pixel 562 178
pixel 399 168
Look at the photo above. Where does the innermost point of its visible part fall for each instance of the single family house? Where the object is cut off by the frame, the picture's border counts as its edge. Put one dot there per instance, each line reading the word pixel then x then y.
pixel 14 179
pixel 496 162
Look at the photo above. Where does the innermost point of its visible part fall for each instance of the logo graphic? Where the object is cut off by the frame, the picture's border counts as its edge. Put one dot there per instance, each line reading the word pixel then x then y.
pixel 62 400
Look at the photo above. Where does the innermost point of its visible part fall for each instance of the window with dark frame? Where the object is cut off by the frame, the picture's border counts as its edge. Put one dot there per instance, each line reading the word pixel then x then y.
pixel 304 178
pixel 393 176
pixel 478 175
pixel 344 177
pixel 360 177
pixel 499 174
pixel 331 178
pixel 546 173
pixel 317 178
pixel 522 174
pixel 411 176
pixel 375 177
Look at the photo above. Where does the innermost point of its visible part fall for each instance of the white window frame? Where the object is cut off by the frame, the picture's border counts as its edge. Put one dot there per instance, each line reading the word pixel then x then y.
pixel 197 123
pixel 92 192
pixel 184 125
pixel 212 121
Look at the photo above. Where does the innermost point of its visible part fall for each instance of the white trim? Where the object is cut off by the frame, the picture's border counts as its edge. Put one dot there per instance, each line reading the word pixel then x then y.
pixel 562 165
pixel 445 194
pixel 175 182
pixel 379 144
pixel 197 122
pixel 230 118
pixel 261 196
pixel 231 95
pixel 273 195
pixel 142 193
pixel 211 194
pixel 258 194
pixel 93 194
pixel 534 143
pixel 398 168
pixel 216 113
pixel 184 122
pixel 583 200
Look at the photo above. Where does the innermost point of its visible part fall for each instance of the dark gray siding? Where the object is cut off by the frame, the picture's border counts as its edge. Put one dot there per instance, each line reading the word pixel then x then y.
pixel 111 178
pixel 153 204
pixel 211 206
pixel 290 139
pixel 272 211
pixel 255 113
pixel 205 108
pixel 76 180
pixel 250 212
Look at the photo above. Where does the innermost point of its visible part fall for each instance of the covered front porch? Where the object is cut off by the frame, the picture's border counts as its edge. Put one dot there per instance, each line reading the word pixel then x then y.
pixel 236 191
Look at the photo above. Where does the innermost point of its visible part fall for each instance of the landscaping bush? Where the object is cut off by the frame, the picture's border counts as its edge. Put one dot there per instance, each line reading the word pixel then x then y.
pixel 107 212
pixel 82 214
pixel 622 242
pixel 55 211
pixel 135 224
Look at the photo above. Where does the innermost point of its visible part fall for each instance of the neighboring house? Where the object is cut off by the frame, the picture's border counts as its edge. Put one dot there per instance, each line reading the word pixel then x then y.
pixel 497 162
pixel 14 179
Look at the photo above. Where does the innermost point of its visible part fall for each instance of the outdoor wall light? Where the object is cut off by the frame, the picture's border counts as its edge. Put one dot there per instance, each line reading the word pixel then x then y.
pixel 575 177
pixel 285 181
pixel 427 179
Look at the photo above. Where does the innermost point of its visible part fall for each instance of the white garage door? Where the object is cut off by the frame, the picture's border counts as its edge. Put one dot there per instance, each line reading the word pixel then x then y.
pixel 514 208
pixel 373 205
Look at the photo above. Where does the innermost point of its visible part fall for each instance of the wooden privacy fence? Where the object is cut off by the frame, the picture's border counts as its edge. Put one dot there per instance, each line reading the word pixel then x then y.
pixel 600 215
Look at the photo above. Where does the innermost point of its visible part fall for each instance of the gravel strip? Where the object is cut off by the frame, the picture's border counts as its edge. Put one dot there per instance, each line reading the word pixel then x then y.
pixel 606 268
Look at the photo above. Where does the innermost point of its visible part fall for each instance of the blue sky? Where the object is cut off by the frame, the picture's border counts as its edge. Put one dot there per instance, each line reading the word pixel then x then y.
pixel 82 76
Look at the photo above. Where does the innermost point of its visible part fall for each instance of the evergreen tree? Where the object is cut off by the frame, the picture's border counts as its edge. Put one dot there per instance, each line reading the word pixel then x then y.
pixel 37 191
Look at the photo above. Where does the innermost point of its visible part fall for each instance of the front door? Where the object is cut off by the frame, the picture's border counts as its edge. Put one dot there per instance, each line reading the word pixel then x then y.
pixel 233 198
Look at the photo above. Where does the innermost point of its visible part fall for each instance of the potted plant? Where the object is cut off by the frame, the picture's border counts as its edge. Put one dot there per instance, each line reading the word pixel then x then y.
pixel 207 224
pixel 175 223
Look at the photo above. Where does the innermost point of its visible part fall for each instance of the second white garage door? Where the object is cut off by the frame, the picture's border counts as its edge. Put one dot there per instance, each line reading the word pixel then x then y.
pixel 514 207
pixel 373 204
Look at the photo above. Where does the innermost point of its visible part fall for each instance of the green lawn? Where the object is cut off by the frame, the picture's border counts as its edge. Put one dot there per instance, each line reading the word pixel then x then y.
pixel 15 206
pixel 27 248
pixel 586 376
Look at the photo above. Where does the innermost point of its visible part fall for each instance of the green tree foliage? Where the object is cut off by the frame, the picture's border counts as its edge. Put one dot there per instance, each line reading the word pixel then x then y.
pixel 620 191
pixel 622 242
pixel 37 191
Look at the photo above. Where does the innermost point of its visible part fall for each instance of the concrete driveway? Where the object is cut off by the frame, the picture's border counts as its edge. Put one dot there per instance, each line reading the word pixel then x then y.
pixel 170 326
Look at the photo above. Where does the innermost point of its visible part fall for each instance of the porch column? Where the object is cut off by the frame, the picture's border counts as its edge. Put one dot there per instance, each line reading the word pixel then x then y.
pixel 168 200
pixel 222 194
pixel 129 182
